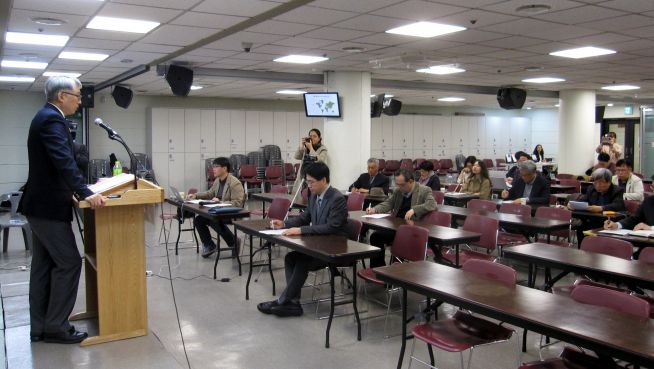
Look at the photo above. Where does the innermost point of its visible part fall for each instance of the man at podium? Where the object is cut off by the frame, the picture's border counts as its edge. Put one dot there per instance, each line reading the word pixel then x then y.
pixel 47 202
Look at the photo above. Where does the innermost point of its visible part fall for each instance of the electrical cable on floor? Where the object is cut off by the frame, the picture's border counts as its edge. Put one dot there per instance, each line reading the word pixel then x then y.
pixel 179 324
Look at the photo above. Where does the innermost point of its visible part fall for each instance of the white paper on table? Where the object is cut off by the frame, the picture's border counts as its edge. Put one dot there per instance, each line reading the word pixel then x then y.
pixel 375 216
pixel 111 182
pixel 273 232
pixel 222 204
pixel 619 232
pixel 196 202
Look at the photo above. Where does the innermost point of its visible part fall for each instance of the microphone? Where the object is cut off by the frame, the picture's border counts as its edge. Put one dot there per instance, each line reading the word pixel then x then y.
pixel 98 122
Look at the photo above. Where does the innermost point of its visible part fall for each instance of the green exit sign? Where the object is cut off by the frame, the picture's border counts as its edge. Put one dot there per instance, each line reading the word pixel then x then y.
pixel 628 109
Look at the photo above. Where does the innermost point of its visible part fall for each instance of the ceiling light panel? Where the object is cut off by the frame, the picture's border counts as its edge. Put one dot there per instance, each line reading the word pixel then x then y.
pixel 583 52
pixel 425 29
pixel 451 99
pixel 23 64
pixel 122 24
pixel 36 39
pixel 300 59
pixel 441 69
pixel 67 74
pixel 620 87
pixel 543 80
pixel 83 56
pixel 22 79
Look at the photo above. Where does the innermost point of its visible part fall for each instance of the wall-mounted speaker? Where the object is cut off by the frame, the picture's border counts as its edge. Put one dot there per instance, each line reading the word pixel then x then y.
pixel 179 79
pixel 88 93
pixel 392 107
pixel 511 98
pixel 599 113
pixel 122 96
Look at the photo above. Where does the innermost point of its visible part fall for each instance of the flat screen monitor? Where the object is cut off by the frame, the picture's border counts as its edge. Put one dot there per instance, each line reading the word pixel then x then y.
pixel 322 104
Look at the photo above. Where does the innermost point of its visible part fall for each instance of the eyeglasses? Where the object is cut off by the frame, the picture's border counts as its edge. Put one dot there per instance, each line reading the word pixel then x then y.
pixel 79 96
pixel 310 181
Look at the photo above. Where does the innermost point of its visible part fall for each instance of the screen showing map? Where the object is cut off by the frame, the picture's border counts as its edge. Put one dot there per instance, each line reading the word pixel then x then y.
pixel 322 104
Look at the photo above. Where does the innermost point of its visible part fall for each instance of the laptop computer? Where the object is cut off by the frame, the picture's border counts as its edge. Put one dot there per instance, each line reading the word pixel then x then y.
pixel 176 194
pixel 499 183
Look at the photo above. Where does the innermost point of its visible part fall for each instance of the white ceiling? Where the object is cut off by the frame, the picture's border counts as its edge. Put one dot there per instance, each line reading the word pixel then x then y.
pixel 495 50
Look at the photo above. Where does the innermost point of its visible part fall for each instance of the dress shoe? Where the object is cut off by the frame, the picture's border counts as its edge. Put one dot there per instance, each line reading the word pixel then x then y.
pixel 72 336
pixel 236 248
pixel 208 250
pixel 266 307
pixel 287 309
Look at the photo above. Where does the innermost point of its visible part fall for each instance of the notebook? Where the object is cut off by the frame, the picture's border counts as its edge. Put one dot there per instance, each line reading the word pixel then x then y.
pixel 578 205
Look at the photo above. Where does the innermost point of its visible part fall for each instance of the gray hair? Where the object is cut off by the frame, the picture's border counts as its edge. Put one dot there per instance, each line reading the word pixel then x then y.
pixel 601 174
pixel 373 160
pixel 527 166
pixel 55 84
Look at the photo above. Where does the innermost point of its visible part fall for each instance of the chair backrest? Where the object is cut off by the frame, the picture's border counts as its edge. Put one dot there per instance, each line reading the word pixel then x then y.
pixel 248 171
pixel 608 246
pixel 355 201
pixel 278 208
pixel 382 164
pixel 410 243
pixel 354 227
pixel 438 218
pixel 647 255
pixel 279 189
pixel 491 270
pixel 406 164
pixel 192 191
pixel 392 165
pixel 545 212
pixel 486 226
pixel 14 198
pixel 446 164
pixel 477 204
pixel 305 194
pixel 565 176
pixel 611 299
pixel 289 170
pixel 417 162
pixel 571 182
pixel 460 161
pixel 273 172
pixel 437 164
pixel 488 163
pixel 439 197
pixel 517 209
pixel 639 175
pixel 631 206
pixel 451 187
pixel 500 162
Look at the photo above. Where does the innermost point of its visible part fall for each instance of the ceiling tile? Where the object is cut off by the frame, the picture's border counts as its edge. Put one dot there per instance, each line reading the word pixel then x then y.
pixel 314 15
pixel 371 23
pixel 475 18
pixel 207 20
pixel 152 48
pixel 20 21
pixel 509 7
pixel 471 36
pixel 245 8
pixel 138 12
pixel 580 14
pixel 94 42
pixel 171 4
pixel 418 10
pixel 624 22
pixel 108 35
pixel 304 42
pixel 80 7
pixel 600 39
pixel 632 6
pixel 514 42
pixel 136 57
pixel 338 34
pixel 281 28
pixel 177 35
pixel 233 42
pixel 354 6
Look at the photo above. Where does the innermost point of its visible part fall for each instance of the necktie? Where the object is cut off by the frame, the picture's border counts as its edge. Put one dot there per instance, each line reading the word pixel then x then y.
pixel 319 202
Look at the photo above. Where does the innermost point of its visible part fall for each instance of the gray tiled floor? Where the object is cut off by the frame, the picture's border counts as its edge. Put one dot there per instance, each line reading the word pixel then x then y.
pixel 220 328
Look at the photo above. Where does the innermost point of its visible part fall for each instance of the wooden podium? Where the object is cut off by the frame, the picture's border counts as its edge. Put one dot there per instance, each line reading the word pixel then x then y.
pixel 114 253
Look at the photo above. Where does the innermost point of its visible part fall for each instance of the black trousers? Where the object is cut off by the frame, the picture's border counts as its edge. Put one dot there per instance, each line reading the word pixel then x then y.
pixel 202 225
pixel 381 239
pixel 297 267
pixel 54 275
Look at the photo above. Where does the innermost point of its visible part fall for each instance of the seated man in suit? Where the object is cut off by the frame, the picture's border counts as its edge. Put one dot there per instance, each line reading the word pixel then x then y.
pixel 326 214
pixel 514 173
pixel 603 195
pixel 371 179
pixel 428 177
pixel 642 220
pixel 630 184
pixel 529 187
pixel 226 188
pixel 603 161
pixel 411 202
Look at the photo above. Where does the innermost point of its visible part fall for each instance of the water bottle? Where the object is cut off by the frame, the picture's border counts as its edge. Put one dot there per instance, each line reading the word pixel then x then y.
pixel 449 179
pixel 118 169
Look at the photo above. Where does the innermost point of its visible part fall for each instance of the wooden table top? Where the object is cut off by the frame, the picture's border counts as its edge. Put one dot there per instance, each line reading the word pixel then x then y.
pixel 441 235
pixel 518 221
pixel 329 248
pixel 581 214
pixel 597 328
pixel 204 211
pixel 635 240
pixel 270 196
pixel 584 262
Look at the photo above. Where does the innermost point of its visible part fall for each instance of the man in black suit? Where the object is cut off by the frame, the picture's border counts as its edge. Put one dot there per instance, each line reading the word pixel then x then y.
pixel 371 179
pixel 47 202
pixel 643 220
pixel 514 173
pixel 326 214
pixel 529 187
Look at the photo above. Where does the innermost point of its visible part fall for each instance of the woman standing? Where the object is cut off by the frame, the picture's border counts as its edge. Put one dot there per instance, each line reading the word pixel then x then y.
pixel 539 153
pixel 479 183
pixel 311 150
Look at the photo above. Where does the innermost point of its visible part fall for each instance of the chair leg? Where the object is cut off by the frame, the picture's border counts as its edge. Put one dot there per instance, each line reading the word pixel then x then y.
pixel 5 239
pixel 413 347
pixel 27 236
pixel 469 357
pixel 195 236
pixel 432 360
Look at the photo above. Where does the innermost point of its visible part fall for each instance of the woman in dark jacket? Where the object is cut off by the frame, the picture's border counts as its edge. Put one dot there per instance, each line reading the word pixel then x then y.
pixel 428 177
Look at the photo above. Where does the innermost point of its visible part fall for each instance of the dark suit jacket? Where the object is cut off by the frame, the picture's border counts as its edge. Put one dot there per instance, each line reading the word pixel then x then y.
pixel 331 218
pixel 613 198
pixel 364 182
pixel 644 214
pixel 434 183
pixel 513 173
pixel 540 191
pixel 53 173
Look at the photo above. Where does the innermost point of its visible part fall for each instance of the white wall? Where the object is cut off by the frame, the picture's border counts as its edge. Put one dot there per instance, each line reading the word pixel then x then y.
pixel 545 130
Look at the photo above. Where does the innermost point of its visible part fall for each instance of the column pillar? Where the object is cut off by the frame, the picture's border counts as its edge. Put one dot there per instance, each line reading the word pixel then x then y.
pixel 348 138
pixel 577 141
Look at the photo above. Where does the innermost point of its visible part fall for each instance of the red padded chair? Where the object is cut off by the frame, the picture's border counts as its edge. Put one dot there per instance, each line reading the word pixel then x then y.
pixel 249 176
pixel 355 201
pixel 463 331
pixel 488 228
pixel 354 227
pixel 382 164
pixel 488 163
pixel 477 204
pixel 608 246
pixel 406 164
pixel 500 163
pixel 571 359
pixel 417 162
pixel 631 206
pixel 445 166
pixel 289 171
pixel 571 182
pixel 611 299
pixel 274 175
pixel 510 238
pixel 438 218
pixel 451 188
pixel 437 164
pixel 545 212
pixel 647 255
pixel 273 189
pixel 439 197
pixel 390 167
pixel 639 175
pixel 565 176
pixel 409 245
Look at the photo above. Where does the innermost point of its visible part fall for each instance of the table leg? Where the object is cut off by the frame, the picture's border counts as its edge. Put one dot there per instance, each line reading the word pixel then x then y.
pixel 354 299
pixel 215 264
pixel 332 273
pixel 179 233
pixel 247 284
pixel 272 277
pixel 404 313
pixel 530 276
pixel 457 256
pixel 238 257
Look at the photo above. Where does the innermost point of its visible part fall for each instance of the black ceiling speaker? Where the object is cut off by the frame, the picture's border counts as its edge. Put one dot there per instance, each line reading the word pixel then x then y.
pixel 392 107
pixel 376 106
pixel 87 93
pixel 599 113
pixel 179 79
pixel 511 98
pixel 122 96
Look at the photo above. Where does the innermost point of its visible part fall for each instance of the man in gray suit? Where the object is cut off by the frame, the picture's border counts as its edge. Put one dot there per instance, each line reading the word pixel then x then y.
pixel 326 214
pixel 411 202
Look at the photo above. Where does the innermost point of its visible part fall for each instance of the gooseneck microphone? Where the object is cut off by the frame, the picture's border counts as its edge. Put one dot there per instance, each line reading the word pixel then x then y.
pixel 100 123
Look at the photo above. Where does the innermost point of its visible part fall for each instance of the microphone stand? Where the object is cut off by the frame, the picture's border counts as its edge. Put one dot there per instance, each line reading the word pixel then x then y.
pixel 133 161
